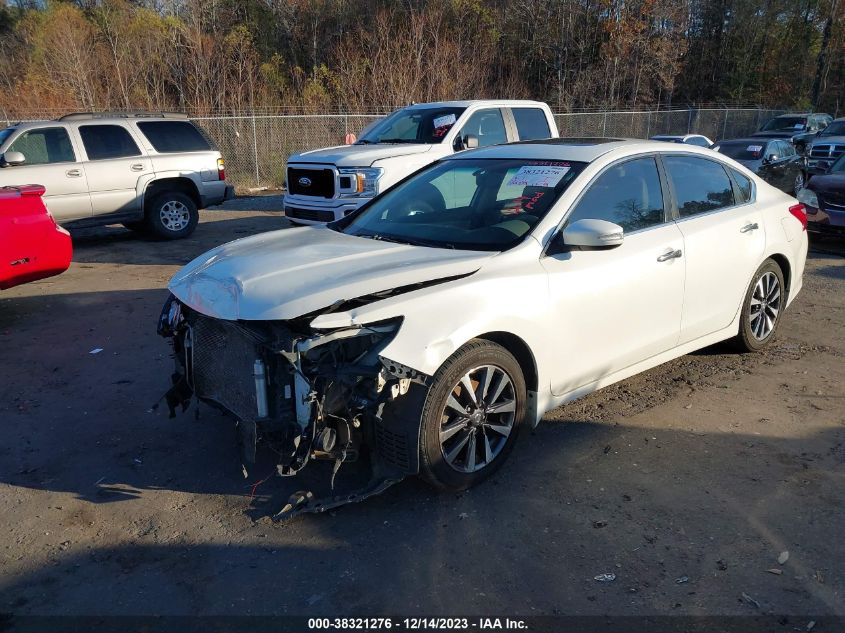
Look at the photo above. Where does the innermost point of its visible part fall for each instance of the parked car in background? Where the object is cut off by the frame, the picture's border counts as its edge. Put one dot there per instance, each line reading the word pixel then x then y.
pixel 32 245
pixel 699 140
pixel 471 298
pixel 327 184
pixel 798 129
pixel 775 161
pixel 824 198
pixel 826 148
pixel 150 172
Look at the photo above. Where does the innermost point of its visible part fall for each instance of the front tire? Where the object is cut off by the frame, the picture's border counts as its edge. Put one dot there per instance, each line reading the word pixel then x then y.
pixel 762 308
pixel 472 415
pixel 172 215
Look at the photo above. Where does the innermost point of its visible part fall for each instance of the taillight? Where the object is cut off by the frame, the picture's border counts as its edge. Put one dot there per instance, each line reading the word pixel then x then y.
pixel 221 169
pixel 800 213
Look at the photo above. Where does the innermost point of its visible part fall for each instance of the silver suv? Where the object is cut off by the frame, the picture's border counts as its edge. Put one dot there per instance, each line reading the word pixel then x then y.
pixel 150 172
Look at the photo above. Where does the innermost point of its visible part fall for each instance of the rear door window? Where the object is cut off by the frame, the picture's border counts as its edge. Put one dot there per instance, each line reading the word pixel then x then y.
pixel 531 123
pixel 45 145
pixel 627 194
pixel 700 185
pixel 174 136
pixel 107 141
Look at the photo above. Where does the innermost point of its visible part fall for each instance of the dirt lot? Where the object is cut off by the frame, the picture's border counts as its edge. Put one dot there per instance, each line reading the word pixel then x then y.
pixel 687 482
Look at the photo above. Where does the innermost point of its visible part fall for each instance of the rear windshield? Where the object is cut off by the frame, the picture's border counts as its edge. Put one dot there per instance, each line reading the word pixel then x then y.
pixel 747 150
pixel 174 136
pixel 784 123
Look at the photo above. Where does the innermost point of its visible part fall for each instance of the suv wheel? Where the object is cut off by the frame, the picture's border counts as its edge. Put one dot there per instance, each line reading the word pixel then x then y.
pixel 172 215
pixel 471 416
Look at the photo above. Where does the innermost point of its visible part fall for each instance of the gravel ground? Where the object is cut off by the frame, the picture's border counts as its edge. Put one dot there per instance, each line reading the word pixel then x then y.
pixel 687 482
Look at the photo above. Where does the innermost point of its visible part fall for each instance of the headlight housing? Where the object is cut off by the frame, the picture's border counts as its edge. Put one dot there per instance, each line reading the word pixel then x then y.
pixel 808 198
pixel 359 182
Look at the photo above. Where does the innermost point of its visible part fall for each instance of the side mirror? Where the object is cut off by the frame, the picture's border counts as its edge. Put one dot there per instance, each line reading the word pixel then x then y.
pixel 593 234
pixel 770 158
pixel 468 141
pixel 13 158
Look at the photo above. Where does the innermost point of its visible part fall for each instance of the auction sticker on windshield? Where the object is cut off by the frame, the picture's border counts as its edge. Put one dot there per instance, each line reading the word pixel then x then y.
pixel 533 176
pixel 446 119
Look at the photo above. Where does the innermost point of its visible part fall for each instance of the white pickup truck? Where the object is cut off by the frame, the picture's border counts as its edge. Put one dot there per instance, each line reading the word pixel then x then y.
pixel 326 184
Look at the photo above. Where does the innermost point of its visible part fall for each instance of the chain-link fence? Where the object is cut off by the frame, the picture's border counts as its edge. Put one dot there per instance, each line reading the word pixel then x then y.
pixel 256 146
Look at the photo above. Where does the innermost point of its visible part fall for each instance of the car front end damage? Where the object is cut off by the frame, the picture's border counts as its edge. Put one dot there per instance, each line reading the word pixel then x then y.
pixel 309 394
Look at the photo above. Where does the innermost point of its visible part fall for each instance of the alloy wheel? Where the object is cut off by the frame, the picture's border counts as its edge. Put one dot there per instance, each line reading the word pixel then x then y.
pixel 478 418
pixel 174 215
pixel 764 308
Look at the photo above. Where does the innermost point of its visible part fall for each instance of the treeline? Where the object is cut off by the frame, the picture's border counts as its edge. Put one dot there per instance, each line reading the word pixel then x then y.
pixel 205 56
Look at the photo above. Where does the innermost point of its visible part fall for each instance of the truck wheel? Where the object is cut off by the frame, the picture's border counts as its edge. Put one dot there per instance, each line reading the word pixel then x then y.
pixel 471 416
pixel 172 215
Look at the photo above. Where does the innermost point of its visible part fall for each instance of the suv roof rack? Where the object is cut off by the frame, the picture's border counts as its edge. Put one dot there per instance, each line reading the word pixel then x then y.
pixel 82 116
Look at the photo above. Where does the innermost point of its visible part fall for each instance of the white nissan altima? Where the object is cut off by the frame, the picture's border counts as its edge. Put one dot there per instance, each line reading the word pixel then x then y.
pixel 424 330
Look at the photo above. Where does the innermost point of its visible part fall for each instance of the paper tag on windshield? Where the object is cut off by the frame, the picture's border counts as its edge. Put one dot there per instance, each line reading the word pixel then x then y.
pixel 446 119
pixel 754 148
pixel 799 126
pixel 530 176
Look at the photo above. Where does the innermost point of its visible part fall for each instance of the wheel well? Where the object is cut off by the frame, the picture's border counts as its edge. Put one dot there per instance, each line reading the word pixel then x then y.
pixel 783 262
pixel 520 351
pixel 184 185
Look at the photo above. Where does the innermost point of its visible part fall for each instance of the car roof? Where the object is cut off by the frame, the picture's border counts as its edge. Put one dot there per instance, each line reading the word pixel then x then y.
pixel 103 118
pixel 583 150
pixel 470 102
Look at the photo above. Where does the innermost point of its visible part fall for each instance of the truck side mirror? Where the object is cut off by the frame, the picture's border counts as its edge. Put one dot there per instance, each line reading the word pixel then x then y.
pixel 468 141
pixel 12 158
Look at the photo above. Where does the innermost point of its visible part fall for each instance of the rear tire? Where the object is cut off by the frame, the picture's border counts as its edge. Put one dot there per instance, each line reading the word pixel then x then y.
pixel 172 215
pixel 762 308
pixel 471 416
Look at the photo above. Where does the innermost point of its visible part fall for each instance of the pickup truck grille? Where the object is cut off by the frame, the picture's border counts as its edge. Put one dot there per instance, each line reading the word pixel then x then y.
pixel 224 355
pixel 827 151
pixel 318 183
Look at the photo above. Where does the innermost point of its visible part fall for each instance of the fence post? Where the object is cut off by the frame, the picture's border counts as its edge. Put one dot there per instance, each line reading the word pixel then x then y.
pixel 725 126
pixel 604 125
pixel 648 125
pixel 689 121
pixel 255 151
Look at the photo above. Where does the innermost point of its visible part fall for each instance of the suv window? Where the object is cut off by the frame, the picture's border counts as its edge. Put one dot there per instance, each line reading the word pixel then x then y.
pixel 107 141
pixel 700 185
pixel 786 149
pixel 44 145
pixel 173 136
pixel 744 184
pixel 627 194
pixel 531 123
pixel 488 126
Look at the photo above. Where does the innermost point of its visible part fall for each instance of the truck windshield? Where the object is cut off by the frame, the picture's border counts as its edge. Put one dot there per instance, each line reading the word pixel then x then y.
pixel 4 134
pixel 413 125
pixel 473 204
pixel 837 128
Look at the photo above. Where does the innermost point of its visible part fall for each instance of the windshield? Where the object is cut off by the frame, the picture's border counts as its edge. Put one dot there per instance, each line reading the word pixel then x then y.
pixel 746 150
pixel 784 123
pixel 413 125
pixel 4 134
pixel 837 128
pixel 475 204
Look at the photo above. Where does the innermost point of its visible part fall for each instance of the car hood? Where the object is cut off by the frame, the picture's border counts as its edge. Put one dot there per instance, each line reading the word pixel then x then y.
pixel 782 134
pixel 358 155
pixel 292 272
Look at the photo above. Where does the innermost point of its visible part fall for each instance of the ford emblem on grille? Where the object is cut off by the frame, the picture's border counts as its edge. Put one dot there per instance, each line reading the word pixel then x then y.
pixel 305 182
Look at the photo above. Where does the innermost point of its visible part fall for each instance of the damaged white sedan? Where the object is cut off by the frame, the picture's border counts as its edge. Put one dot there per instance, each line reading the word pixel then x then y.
pixel 423 330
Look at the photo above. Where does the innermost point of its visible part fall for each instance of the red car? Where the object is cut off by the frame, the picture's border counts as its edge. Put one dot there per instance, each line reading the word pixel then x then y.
pixel 32 245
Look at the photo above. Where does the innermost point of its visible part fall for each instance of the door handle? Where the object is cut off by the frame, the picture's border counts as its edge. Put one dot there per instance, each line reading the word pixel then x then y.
pixel 749 227
pixel 670 254
pixel 137 167
pixel 73 173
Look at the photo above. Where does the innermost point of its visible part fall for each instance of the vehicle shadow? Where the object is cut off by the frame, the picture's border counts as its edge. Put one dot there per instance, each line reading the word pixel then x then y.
pixel 575 500
pixel 118 245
